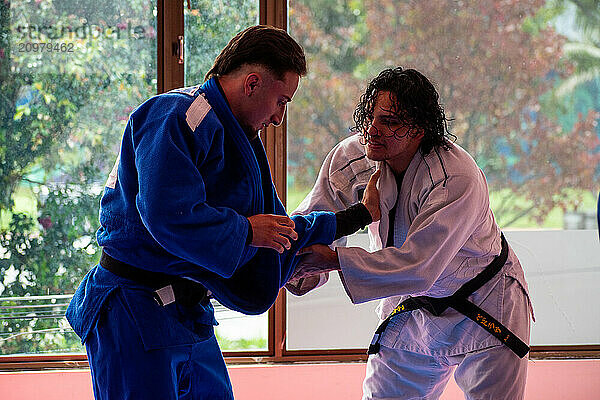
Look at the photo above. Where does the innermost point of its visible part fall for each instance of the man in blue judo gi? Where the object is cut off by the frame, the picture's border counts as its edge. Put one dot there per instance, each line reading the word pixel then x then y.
pixel 189 212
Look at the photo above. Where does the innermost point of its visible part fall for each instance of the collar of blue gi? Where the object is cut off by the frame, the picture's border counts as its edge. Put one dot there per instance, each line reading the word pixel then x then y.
pixel 233 129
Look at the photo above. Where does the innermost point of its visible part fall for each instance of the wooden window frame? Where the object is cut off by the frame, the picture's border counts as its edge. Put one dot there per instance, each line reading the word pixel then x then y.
pixel 170 26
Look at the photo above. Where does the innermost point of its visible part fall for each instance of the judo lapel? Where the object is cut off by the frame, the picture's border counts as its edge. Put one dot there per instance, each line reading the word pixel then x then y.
pixel 403 218
pixel 268 191
pixel 388 194
pixel 237 134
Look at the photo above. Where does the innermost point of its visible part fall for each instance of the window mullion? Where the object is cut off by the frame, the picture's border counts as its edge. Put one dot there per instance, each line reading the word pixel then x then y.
pixel 170 29
pixel 274 13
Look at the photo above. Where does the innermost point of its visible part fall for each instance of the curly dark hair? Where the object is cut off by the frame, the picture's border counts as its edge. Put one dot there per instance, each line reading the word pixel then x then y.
pixel 416 104
pixel 271 47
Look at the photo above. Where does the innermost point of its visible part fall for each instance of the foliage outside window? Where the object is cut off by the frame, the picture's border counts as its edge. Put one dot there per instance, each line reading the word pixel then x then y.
pixel 524 96
pixel 64 108
pixel 70 74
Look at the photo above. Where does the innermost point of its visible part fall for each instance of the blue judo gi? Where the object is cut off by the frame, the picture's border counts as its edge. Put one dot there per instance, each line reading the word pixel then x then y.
pixel 176 202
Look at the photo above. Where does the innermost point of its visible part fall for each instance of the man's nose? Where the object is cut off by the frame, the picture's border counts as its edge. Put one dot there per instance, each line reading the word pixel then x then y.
pixel 373 131
pixel 278 116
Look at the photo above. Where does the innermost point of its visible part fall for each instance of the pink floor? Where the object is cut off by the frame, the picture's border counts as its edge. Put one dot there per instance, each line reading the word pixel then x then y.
pixel 548 380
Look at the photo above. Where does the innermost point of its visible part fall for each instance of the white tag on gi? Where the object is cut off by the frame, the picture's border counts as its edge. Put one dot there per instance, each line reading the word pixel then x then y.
pixel 166 295
pixel 112 178
pixel 197 111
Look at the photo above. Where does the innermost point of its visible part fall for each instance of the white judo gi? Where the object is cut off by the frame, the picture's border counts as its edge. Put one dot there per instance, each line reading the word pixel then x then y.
pixel 444 235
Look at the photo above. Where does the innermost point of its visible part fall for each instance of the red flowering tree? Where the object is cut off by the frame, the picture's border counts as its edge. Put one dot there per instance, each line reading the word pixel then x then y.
pixel 495 64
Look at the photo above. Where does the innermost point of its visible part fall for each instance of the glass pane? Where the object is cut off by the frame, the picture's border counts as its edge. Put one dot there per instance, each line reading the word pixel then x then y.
pixel 522 86
pixel 326 319
pixel 209 25
pixel 70 73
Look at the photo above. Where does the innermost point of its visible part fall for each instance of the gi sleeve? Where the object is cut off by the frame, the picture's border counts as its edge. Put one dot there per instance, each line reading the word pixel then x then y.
pixel 347 222
pixel 254 286
pixel 172 196
pixel 445 220
pixel 339 184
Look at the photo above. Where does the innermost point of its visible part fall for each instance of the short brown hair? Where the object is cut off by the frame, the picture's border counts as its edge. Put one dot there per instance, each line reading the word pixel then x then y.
pixel 264 45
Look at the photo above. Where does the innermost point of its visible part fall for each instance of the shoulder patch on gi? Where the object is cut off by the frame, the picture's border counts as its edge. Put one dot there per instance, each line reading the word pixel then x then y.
pixel 190 91
pixel 112 177
pixel 355 172
pixel 197 111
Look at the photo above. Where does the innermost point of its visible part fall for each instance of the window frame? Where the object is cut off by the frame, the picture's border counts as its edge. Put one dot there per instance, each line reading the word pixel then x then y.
pixel 170 27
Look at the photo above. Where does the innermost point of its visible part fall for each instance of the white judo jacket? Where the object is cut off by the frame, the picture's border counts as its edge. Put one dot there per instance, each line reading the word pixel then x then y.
pixel 444 235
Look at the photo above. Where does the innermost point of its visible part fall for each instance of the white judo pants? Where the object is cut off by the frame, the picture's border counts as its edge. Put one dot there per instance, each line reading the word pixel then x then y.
pixel 490 374
pixel 493 373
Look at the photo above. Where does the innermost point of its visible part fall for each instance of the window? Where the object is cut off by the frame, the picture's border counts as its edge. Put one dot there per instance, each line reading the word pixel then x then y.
pixel 71 72
pixel 517 81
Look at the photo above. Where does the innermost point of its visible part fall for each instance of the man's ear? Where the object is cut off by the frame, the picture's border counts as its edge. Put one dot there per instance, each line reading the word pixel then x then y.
pixel 252 82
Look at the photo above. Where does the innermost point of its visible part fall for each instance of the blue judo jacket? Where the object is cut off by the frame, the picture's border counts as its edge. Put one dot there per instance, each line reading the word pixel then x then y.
pixel 177 200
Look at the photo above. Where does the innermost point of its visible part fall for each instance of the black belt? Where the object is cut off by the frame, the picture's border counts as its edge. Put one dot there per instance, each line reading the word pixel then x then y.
pixel 167 288
pixel 459 302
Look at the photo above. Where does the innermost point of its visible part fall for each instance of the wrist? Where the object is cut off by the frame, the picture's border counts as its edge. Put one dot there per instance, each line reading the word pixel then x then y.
pixel 335 261
pixel 364 213
pixel 249 234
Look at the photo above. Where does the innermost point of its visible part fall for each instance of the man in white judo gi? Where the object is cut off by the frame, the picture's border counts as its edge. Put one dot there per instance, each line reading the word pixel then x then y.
pixel 436 233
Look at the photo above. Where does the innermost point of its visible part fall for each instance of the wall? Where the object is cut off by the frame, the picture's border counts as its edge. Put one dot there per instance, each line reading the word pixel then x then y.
pixel 548 380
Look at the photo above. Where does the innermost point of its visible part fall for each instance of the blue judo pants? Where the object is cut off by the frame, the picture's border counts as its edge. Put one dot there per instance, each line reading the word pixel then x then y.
pixel 126 364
